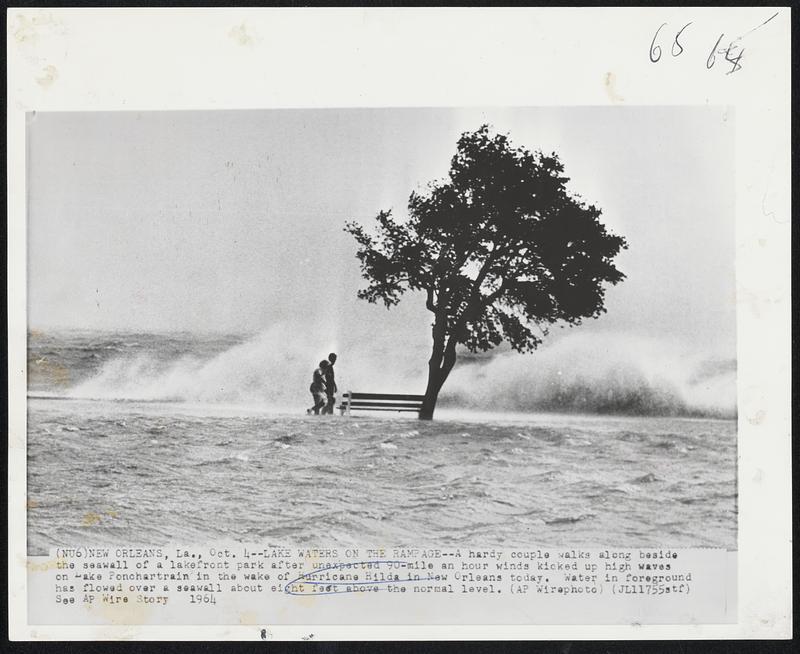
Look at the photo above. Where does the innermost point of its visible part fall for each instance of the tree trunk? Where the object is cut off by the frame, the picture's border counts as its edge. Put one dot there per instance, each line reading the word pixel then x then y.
pixel 434 367
pixel 431 393
pixel 443 357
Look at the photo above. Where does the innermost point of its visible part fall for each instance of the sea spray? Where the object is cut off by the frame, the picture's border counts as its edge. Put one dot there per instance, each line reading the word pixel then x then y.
pixel 599 373
pixel 270 369
pixel 583 373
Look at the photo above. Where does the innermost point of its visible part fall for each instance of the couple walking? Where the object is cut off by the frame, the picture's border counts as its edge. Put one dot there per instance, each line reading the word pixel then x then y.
pixel 323 387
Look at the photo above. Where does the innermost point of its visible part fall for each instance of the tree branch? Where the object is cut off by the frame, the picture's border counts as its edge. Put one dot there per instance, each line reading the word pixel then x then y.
pixel 489 299
pixel 475 293
pixel 449 359
pixel 429 304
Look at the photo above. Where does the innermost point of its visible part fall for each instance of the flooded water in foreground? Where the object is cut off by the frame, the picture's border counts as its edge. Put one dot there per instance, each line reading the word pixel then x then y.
pixel 105 472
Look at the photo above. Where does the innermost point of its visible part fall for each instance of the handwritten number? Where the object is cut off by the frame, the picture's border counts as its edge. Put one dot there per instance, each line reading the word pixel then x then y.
pixel 735 62
pixel 733 53
pixel 654 47
pixel 676 42
pixel 712 57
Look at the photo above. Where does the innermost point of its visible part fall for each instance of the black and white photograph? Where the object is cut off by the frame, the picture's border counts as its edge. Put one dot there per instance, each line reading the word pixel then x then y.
pixel 399 323
pixel 447 326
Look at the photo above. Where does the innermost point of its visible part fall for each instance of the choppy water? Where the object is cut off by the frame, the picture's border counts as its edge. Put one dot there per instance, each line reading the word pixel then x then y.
pixel 109 473
pixel 147 439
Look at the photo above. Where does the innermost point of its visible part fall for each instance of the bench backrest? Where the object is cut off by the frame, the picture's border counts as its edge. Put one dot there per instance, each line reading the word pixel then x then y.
pixel 381 402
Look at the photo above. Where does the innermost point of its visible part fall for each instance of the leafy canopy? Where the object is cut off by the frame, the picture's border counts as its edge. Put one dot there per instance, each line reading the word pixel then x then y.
pixel 500 247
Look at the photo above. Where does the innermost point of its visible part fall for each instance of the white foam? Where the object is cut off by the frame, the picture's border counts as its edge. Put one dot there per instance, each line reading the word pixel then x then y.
pixel 577 372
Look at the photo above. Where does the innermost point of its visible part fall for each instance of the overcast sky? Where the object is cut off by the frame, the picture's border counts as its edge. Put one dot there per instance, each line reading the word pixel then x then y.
pixel 232 220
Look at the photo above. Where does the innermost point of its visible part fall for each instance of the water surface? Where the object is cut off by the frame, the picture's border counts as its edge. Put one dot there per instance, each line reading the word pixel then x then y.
pixel 109 472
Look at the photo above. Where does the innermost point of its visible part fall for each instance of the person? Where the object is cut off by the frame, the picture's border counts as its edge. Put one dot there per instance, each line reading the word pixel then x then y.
pixel 317 388
pixel 330 385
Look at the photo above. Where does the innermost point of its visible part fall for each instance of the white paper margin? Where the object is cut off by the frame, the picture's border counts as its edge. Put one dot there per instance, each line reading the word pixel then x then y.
pixel 156 59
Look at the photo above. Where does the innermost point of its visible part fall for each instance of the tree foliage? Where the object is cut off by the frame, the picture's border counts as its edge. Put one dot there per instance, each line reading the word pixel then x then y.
pixel 500 248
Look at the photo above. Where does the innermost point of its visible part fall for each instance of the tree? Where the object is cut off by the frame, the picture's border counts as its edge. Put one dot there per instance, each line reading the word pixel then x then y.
pixel 500 249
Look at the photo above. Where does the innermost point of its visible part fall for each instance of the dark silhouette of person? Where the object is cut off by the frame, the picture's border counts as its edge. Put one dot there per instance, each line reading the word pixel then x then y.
pixel 317 388
pixel 330 385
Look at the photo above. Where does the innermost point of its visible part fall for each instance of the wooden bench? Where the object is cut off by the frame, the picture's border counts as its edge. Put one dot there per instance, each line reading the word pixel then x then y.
pixel 379 402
